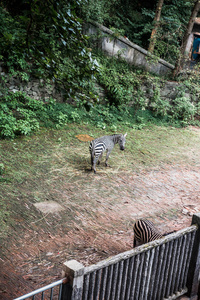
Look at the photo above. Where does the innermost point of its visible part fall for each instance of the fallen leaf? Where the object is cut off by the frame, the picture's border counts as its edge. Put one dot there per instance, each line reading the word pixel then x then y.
pixel 84 137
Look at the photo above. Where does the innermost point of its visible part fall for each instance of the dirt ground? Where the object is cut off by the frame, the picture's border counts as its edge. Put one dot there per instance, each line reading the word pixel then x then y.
pixel 101 220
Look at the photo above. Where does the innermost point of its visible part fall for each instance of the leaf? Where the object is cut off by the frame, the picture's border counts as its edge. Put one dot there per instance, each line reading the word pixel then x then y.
pixel 84 137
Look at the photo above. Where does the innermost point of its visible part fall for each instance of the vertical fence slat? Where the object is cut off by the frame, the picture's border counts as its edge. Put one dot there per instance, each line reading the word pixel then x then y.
pixel 109 282
pixel 135 272
pixel 124 280
pixel 167 269
pixel 192 234
pixel 143 287
pixel 131 268
pixel 59 293
pixel 152 279
pixel 139 277
pixel 103 283
pixel 114 284
pixel 148 274
pixel 176 278
pixel 184 254
pixel 187 249
pixel 51 294
pixel 160 274
pixel 119 279
pixel 169 287
pixel 91 285
pixel 86 286
pixel 181 262
pixel 97 284
pixel 175 273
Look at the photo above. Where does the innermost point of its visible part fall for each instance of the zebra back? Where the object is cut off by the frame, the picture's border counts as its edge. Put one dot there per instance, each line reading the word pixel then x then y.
pixel 97 146
pixel 100 145
pixel 144 232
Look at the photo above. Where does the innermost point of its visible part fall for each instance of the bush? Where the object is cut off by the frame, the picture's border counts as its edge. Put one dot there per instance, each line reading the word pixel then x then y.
pixel 18 115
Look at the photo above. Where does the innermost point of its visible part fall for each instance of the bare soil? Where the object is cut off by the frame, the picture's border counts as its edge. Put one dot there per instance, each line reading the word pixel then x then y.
pixel 71 213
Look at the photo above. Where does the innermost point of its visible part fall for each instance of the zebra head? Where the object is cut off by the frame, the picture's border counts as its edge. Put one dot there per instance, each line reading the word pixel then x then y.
pixel 122 141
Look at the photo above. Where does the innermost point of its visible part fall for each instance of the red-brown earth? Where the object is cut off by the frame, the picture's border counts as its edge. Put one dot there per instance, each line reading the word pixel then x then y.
pixel 89 217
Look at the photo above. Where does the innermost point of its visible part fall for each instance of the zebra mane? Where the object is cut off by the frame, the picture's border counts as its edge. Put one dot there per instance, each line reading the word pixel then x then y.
pixel 116 137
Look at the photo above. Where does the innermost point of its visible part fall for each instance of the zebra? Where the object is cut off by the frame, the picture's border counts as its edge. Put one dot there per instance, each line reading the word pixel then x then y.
pixel 145 232
pixel 100 145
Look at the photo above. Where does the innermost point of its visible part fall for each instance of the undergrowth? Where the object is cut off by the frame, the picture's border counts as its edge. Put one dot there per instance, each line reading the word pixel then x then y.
pixel 22 115
pixel 125 103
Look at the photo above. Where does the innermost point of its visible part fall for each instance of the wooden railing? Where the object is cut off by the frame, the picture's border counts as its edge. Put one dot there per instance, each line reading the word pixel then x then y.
pixel 162 269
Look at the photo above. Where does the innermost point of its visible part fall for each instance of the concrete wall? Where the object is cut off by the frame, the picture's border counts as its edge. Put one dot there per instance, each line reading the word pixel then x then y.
pixel 39 89
pixel 131 52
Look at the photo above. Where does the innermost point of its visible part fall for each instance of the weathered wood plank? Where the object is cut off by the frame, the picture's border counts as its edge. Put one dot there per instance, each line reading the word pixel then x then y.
pixel 161 288
pixel 130 273
pixel 156 267
pixel 97 284
pixel 137 250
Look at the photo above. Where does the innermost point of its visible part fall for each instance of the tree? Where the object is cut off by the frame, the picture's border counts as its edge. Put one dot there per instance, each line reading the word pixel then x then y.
pixel 45 39
pixel 183 55
pixel 156 25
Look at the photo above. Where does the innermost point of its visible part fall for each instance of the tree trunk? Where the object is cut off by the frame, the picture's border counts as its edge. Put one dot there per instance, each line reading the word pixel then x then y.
pixel 156 25
pixel 183 55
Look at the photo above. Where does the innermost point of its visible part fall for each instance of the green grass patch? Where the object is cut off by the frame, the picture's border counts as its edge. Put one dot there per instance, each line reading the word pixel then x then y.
pixel 44 166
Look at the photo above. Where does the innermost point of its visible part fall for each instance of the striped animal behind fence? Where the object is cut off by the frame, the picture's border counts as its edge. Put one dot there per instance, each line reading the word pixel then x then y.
pixel 105 143
pixel 145 232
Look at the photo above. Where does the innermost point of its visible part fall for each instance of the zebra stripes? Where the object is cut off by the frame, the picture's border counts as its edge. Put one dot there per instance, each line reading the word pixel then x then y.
pixel 144 232
pixel 105 143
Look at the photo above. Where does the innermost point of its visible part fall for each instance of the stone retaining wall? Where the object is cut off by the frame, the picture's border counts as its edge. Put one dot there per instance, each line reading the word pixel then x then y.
pixel 35 88
pixel 39 89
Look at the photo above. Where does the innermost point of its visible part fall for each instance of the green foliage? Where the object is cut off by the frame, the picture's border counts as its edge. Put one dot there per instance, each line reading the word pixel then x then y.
pixel 22 115
pixel 123 87
pixel 126 103
pixel 135 20
pixel 45 39
pixel 12 45
pixel 183 109
pixel 174 18
pixel 98 10
pixel 18 115
pixel 118 79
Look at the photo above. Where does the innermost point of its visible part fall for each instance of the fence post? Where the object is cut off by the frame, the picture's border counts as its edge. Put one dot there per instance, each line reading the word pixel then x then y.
pixel 194 268
pixel 74 273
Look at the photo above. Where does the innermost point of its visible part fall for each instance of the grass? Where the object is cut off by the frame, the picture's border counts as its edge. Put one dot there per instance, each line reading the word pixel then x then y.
pixel 54 165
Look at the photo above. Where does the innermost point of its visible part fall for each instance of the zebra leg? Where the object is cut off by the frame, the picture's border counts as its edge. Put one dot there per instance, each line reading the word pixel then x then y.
pixel 94 163
pixel 107 156
pixel 100 157
pixel 92 159
pixel 136 243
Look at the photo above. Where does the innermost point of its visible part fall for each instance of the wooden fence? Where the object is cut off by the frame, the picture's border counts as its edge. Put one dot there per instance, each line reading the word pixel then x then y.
pixel 162 269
